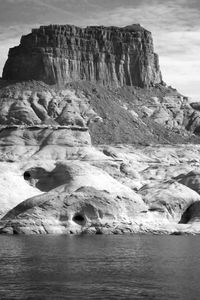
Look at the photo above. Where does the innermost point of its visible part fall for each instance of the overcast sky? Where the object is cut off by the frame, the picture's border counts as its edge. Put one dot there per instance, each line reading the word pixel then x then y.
pixel 175 25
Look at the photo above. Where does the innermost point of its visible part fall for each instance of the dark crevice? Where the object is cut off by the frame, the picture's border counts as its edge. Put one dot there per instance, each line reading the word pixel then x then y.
pixel 15 231
pixel 79 219
pixel 45 180
pixel 192 212
pixel 27 176
pixel 99 231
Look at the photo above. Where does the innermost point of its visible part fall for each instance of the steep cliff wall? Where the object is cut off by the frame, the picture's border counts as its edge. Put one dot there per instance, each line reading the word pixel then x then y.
pixel 111 56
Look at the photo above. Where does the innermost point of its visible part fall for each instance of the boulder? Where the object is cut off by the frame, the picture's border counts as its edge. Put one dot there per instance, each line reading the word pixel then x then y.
pixel 170 199
pixel 191 180
pixel 84 210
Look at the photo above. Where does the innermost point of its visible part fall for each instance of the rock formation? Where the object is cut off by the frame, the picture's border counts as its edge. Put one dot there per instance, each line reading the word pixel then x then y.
pixel 54 181
pixel 88 158
pixel 111 56
pixel 107 189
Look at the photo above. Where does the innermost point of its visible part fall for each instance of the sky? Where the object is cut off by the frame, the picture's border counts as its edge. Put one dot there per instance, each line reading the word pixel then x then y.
pixel 175 26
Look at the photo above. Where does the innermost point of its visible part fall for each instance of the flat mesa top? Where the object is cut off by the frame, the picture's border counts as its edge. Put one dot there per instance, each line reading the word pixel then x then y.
pixel 132 27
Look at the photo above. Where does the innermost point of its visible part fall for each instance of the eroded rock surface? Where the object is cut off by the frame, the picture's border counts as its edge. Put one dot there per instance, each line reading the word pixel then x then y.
pixel 109 189
pixel 39 104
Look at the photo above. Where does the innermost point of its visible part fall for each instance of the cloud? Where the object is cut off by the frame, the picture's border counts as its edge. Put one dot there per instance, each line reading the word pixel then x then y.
pixel 4 50
pixel 185 80
pixel 10 37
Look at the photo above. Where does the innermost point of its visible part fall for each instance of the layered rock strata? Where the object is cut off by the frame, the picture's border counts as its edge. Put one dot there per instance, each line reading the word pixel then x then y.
pixel 111 56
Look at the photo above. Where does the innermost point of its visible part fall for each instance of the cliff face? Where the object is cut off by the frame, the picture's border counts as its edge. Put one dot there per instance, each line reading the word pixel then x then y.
pixel 110 56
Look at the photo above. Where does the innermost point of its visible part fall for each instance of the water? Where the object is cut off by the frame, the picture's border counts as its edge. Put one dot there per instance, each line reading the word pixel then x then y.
pixel 100 267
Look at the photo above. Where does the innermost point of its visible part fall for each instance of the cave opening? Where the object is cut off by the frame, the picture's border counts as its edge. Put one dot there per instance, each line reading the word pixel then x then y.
pixel 191 213
pixel 79 219
pixel 27 175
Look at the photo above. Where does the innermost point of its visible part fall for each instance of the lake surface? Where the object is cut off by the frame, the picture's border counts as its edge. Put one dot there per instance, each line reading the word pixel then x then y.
pixel 100 267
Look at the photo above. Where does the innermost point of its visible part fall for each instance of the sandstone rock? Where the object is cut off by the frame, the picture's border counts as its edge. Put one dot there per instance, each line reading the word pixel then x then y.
pixel 13 188
pixel 195 105
pixel 63 53
pixel 61 213
pixel 161 116
pixel 194 122
pixel 191 179
pixel 147 112
pixel 90 192
pixel 169 198
pixel 20 106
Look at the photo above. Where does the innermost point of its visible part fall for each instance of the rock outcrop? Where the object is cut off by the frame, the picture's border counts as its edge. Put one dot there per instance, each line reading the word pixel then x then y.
pixel 42 105
pixel 111 56
pixel 109 189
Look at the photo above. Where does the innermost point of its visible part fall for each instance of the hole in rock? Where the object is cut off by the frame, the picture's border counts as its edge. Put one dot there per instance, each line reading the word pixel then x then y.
pixel 191 213
pixel 157 209
pixel 45 180
pixel 15 231
pixel 197 130
pixel 79 219
pixel 27 175
pixel 99 231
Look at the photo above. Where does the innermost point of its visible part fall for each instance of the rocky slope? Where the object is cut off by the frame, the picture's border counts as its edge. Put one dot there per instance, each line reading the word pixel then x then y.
pixel 111 56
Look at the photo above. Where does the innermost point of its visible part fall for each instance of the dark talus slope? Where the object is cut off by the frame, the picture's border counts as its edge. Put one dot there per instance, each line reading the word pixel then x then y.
pixel 159 114
pixel 111 56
